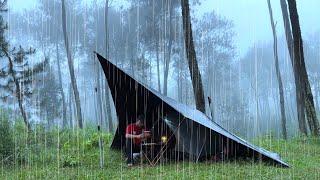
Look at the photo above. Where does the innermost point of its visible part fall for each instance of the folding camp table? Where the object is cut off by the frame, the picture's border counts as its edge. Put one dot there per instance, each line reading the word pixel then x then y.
pixel 147 150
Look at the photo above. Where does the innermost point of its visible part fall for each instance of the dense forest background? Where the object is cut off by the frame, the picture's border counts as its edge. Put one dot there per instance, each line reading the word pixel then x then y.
pixel 146 39
pixel 251 66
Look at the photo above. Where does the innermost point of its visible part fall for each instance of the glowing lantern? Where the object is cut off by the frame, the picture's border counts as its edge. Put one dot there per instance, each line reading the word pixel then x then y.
pixel 164 139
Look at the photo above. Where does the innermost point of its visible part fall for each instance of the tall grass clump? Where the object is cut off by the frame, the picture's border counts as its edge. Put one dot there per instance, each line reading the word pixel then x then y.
pixel 6 138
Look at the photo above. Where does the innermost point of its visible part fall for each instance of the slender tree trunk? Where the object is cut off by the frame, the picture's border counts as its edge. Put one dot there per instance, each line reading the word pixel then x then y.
pixel 317 96
pixel 143 67
pixel 158 63
pixel 288 33
pixel 74 109
pixel 132 66
pixel 99 114
pixel 310 107
pixel 106 14
pixel 168 59
pixel 299 95
pixel 110 123
pixel 64 106
pixel 257 103
pixel 186 93
pixel 108 109
pixel 299 60
pixel 103 100
pixel 192 58
pixel 281 94
pixel 157 50
pixel 71 68
pixel 180 82
pixel 107 91
pixel 210 72
pixel 180 61
pixel 70 107
pixel 179 87
pixel 20 102
pixel 18 93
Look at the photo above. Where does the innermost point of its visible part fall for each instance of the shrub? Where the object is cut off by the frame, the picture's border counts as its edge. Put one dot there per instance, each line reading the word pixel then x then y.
pixel 6 138
pixel 93 141
pixel 70 161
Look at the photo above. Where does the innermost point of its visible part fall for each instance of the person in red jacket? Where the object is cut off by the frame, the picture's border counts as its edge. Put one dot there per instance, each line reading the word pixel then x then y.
pixel 134 135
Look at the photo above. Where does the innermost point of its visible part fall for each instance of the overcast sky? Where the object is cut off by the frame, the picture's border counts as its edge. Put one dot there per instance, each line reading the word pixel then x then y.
pixel 252 22
pixel 251 17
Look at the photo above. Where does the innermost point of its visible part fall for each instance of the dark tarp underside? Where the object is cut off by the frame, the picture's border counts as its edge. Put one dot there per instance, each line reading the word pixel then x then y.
pixel 196 133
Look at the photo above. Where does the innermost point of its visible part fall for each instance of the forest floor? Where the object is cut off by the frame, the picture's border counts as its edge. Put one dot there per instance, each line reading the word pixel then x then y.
pixel 78 158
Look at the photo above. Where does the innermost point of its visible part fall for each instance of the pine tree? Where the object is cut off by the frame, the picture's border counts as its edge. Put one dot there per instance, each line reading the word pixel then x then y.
pixel 17 73
pixel 50 98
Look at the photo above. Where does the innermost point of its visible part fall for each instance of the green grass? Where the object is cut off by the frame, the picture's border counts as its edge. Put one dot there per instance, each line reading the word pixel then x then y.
pixel 302 154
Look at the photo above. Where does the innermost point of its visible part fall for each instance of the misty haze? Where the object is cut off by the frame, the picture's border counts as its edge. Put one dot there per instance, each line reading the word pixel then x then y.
pixel 203 88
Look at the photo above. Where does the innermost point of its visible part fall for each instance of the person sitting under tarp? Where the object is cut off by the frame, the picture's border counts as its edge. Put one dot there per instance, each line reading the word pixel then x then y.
pixel 134 136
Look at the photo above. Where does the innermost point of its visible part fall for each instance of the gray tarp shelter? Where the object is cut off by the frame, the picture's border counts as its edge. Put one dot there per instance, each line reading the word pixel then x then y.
pixel 195 134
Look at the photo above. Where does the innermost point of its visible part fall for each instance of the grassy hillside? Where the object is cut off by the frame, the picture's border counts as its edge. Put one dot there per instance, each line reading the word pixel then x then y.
pixel 75 155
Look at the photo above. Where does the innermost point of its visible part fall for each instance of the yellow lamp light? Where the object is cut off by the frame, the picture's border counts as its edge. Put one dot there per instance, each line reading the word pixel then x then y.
pixel 164 139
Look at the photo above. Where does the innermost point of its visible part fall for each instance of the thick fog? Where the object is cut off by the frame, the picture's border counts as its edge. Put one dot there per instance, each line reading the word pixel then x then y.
pixel 234 46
